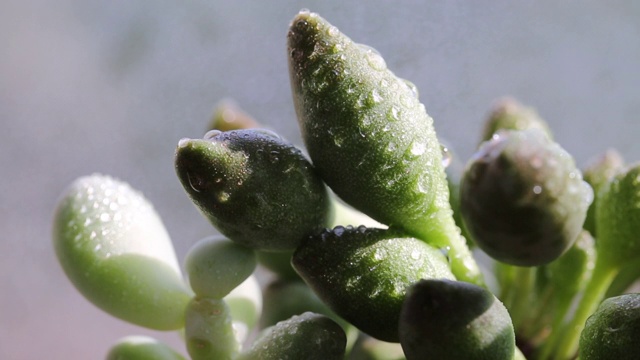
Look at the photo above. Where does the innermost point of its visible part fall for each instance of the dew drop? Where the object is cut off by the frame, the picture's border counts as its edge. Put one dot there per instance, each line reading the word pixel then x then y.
pixel 105 217
pixel 332 31
pixel 339 230
pixel 418 148
pixel 375 97
pixel 415 255
pixel 446 156
pixel 212 134
pixel 223 196
pixel 376 61
pixel 537 189
pixel 412 87
pixel 337 140
pixel 274 156
pixel 380 254
pixel 391 146
pixel 183 142
pixel 394 114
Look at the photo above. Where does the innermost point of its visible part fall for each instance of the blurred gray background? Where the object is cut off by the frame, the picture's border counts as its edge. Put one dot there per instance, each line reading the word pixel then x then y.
pixel 111 86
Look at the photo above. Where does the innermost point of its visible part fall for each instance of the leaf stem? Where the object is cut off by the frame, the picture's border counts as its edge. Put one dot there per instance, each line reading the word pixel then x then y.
pixel 602 276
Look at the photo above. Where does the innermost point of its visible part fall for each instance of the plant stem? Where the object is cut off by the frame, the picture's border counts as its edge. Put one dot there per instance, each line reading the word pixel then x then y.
pixel 602 276
pixel 521 301
pixel 561 308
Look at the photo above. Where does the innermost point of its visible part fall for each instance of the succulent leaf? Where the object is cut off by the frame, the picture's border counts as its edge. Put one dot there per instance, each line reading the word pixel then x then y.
pixel 215 266
pixel 509 114
pixel 362 274
pixel 307 336
pixel 612 331
pixel 142 348
pixel 443 319
pixel 618 219
pixel 254 187
pixel 209 331
pixel 114 248
pixel 523 199
pixel 370 137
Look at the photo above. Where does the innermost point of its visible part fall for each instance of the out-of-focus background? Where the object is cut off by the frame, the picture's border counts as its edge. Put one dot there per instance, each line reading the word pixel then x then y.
pixel 111 86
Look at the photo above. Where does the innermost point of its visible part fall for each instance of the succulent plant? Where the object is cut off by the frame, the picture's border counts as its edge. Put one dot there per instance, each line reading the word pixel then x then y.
pixel 360 242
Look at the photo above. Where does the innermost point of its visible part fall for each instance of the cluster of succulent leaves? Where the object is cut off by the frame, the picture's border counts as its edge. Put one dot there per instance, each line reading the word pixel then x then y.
pixel 388 276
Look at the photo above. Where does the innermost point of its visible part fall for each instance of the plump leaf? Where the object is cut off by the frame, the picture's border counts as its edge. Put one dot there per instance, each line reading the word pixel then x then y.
pixel 114 248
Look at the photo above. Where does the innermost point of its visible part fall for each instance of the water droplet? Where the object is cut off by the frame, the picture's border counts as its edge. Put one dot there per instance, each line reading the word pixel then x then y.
pixel 537 189
pixel 393 114
pixel 93 235
pixel 274 156
pixel 211 134
pixel 304 11
pixel 338 230
pixel 380 254
pixel 97 247
pixel 412 87
pixel 337 140
pixel 376 61
pixel 223 196
pixel 446 156
pixel 332 31
pixel 105 217
pixel 418 148
pixel 415 254
pixel 375 97
pixel 391 146
pixel 181 144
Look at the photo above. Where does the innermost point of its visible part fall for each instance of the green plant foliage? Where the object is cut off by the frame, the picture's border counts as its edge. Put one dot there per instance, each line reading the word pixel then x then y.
pixel 142 348
pixel 523 199
pixel 216 266
pixel 359 272
pixel 372 266
pixel 612 332
pixel 209 331
pixel 114 248
pixel 443 319
pixel 356 118
pixel 307 336
pixel 254 187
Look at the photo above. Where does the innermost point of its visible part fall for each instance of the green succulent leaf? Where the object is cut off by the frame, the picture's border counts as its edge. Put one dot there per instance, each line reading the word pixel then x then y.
pixel 598 173
pixel 283 299
pixel 254 187
pixel 612 332
pixel 114 248
pixel 618 219
pixel 363 274
pixel 523 199
pixel 443 319
pixel 209 330
pixel 142 348
pixel 509 114
pixel 215 266
pixel 307 336
pixel 370 137
pixel 569 273
pixel 229 116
